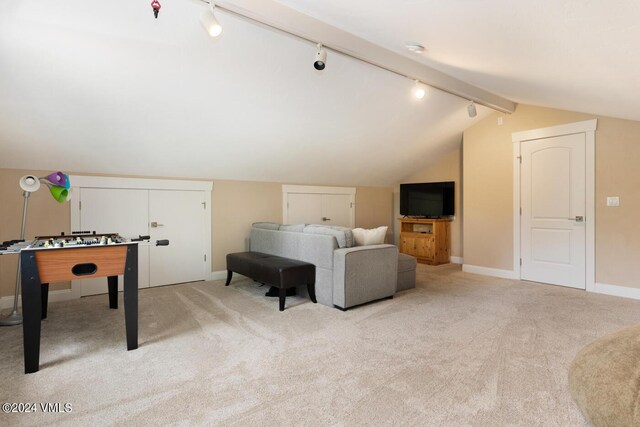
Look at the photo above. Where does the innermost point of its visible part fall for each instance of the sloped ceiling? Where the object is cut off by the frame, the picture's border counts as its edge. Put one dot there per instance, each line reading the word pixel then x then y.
pixel 103 87
pixel 571 54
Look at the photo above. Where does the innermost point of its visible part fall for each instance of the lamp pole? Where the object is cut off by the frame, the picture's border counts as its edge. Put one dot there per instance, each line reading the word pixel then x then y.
pixel 15 318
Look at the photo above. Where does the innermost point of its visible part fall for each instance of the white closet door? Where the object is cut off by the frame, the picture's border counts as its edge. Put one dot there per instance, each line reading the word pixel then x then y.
pixel 180 217
pixel 126 212
pixel 336 209
pixel 304 208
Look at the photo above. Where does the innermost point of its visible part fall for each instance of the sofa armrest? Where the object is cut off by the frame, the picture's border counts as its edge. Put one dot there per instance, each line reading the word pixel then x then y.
pixel 364 273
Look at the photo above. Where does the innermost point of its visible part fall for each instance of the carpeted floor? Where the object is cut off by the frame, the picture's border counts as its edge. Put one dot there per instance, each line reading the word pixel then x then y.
pixel 460 349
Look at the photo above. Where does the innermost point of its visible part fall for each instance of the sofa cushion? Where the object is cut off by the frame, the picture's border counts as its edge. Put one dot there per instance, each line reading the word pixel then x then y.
pixel 406 262
pixel 293 227
pixel 266 225
pixel 374 236
pixel 343 235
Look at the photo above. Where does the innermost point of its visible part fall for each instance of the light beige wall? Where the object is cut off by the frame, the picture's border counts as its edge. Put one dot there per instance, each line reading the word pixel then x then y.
pixel 488 192
pixel 374 208
pixel 236 205
pixel 447 169
pixel 44 216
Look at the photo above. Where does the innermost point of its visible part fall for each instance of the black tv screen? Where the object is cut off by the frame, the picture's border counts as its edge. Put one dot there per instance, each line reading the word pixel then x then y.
pixel 430 199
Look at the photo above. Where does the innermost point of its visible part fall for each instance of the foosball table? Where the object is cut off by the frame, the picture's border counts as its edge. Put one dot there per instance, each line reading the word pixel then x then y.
pixel 50 259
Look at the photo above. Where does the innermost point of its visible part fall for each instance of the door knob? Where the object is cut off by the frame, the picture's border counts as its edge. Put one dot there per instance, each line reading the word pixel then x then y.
pixel 154 224
pixel 324 218
pixel 578 218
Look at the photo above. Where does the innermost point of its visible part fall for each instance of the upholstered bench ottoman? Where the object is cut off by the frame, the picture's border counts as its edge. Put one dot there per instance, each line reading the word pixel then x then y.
pixel 280 272
pixel 406 272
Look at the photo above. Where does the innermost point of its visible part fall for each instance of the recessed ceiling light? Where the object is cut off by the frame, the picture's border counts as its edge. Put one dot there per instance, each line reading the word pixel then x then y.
pixel 414 47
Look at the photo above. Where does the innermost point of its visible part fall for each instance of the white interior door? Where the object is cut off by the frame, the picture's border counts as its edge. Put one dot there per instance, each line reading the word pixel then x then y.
pixel 180 217
pixel 336 209
pixel 126 212
pixel 553 210
pixel 304 208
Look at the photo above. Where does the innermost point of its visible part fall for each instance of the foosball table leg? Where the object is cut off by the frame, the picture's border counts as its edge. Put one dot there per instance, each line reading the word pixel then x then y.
pixel 31 312
pixel 131 297
pixel 112 282
pixel 44 296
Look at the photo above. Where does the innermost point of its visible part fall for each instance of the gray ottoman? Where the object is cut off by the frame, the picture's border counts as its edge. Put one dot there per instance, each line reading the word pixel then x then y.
pixel 406 272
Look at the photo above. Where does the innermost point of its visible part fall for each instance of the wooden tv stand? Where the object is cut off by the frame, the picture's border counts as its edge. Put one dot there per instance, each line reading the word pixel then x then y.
pixel 429 240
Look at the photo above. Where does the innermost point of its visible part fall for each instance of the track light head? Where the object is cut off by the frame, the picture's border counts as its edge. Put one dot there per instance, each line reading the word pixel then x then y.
pixel 210 23
pixel 321 58
pixel 471 109
pixel 419 90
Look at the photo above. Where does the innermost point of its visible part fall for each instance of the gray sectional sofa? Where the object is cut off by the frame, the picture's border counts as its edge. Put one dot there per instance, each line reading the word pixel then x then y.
pixel 346 275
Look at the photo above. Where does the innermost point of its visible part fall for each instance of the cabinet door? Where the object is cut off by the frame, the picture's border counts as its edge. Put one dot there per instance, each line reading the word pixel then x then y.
pixel 407 245
pixel 116 210
pixel 422 247
pixel 336 210
pixel 180 218
pixel 430 248
pixel 304 208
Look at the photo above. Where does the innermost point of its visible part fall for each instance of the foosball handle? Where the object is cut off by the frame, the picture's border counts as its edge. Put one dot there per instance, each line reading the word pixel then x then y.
pixel 163 242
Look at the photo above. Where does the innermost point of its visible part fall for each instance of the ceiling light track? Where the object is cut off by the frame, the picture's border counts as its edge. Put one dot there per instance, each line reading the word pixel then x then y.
pixel 322 55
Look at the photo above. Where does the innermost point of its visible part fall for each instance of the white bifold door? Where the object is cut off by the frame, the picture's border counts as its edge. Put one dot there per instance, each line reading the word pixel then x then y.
pixel 553 210
pixel 330 209
pixel 176 215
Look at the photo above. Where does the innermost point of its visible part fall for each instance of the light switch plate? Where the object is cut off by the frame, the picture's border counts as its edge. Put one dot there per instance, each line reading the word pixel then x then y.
pixel 613 201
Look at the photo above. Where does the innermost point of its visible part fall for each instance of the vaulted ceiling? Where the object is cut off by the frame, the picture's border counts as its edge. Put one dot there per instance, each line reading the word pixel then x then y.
pixel 103 87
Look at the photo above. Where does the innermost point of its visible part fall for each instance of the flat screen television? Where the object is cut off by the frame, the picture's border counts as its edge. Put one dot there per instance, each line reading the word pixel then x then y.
pixel 429 199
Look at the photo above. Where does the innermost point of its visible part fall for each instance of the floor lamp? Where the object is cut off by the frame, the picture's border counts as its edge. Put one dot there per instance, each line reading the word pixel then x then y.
pixel 58 184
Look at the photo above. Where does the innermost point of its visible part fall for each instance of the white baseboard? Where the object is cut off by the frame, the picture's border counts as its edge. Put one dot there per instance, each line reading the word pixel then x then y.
pixel 456 260
pixel 486 271
pixel 617 291
pixel 54 296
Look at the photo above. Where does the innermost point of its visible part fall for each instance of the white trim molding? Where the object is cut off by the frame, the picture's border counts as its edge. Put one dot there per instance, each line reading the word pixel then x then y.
pixel 313 189
pixel 616 290
pixel 560 130
pixel 486 271
pixel 456 260
pixel 588 127
pixel 139 183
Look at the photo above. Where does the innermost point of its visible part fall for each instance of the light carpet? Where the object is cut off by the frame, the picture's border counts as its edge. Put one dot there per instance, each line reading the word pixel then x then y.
pixel 460 349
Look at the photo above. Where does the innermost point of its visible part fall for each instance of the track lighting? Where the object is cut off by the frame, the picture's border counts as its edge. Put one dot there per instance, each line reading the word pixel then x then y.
pixel 419 90
pixel 471 109
pixel 321 58
pixel 210 23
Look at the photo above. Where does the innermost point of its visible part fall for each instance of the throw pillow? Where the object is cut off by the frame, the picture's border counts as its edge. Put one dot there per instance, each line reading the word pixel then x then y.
pixel 374 236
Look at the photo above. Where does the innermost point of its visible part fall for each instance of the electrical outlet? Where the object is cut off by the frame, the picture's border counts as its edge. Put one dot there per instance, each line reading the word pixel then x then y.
pixel 613 201
pixel 500 121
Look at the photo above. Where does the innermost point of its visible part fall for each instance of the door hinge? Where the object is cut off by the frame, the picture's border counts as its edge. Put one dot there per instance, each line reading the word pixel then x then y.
pixel 204 205
pixel 520 211
pixel 519 158
pixel 351 204
pixel 520 261
pixel 80 205
pixel 205 257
